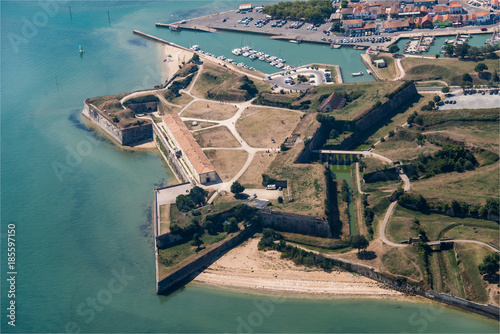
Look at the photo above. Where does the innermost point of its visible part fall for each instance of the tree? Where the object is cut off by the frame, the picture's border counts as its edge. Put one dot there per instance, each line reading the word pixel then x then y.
pixel 462 50
pixel 302 78
pixel 184 203
pixel 431 104
pixel 436 98
pixel 391 133
pixel 490 265
pixel 336 26
pixel 394 48
pixel 438 55
pixel 359 241
pixel 231 225
pixel 480 67
pixel 495 77
pixel 445 90
pixel 334 134
pixel 197 241
pixel 449 50
pixel 280 199
pixel 198 195
pixel 237 188
pixel 344 4
pixel 195 58
pixel 466 77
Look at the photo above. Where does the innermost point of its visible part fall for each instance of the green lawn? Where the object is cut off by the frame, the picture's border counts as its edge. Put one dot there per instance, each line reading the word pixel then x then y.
pixel 469 257
pixel 401 226
pixel 447 69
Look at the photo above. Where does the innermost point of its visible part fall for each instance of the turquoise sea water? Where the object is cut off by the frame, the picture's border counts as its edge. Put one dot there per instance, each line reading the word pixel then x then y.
pixel 84 252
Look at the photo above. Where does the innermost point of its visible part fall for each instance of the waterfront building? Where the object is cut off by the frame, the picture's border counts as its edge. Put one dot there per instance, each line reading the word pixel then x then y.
pixel 351 24
pixel 456 7
pixel 396 26
pixel 483 16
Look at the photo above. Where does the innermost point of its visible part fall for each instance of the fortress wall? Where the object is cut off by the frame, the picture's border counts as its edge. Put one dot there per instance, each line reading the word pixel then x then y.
pixel 294 223
pixel 376 115
pixel 127 137
pixel 205 259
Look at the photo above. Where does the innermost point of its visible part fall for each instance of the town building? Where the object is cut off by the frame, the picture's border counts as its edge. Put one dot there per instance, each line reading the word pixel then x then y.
pixel 351 24
pixel 396 26
pixel 456 7
pixel 483 16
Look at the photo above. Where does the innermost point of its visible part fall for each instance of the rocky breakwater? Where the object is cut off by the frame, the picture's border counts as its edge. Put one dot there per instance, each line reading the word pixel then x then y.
pixel 129 134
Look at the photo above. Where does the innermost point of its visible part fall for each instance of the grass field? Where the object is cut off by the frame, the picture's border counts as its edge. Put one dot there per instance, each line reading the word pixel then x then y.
pixel 482 134
pixel 182 100
pixel 447 69
pixel 227 163
pixel 430 84
pixel 252 177
pixel 389 72
pixel 401 226
pixel 164 218
pixel 219 136
pixel 473 187
pixel 367 95
pixel 210 110
pixel 470 256
pixel 374 164
pixel 266 127
pixel 402 261
pixel 403 146
pixel 486 235
pixel 219 83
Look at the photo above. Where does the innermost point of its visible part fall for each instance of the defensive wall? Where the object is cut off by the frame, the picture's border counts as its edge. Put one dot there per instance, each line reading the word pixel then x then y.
pixel 204 259
pixel 295 223
pixel 124 136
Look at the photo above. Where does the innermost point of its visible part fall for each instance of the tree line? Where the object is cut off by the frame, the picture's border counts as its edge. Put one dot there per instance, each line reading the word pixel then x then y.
pixel 313 10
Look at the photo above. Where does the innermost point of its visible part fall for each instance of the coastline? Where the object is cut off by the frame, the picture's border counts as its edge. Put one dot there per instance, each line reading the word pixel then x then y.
pixel 172 57
pixel 247 268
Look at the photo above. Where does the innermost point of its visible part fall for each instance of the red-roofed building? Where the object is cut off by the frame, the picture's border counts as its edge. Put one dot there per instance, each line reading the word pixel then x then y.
pixel 483 16
pixel 351 24
pixel 456 7
pixel 188 148
pixel 441 10
pixel 424 22
pixel 396 26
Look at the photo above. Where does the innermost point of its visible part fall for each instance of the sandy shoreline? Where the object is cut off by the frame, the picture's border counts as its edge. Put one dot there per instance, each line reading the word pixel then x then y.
pixel 245 267
pixel 172 57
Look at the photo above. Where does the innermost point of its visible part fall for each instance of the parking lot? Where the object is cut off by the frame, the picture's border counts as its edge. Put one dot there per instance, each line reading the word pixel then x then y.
pixel 257 22
pixel 288 79
pixel 474 101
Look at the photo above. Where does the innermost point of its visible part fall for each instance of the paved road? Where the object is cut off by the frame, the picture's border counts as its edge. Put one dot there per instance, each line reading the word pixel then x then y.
pixel 358 179
pixel 387 217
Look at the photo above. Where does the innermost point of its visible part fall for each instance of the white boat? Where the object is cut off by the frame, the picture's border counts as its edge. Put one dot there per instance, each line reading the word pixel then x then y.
pixel 369 71
pixel 357 74
pixel 280 65
pixel 273 58
pixel 221 57
pixel 236 52
pixel 262 58
pixel 195 47
pixel 281 60
pixel 253 56
pixel 246 48
pixel 273 63
pixel 229 60
pixel 260 54
pixel 245 54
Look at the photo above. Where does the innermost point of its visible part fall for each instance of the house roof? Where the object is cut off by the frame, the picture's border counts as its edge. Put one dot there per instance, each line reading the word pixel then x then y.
pixel 494 1
pixel 441 9
pixel 348 10
pixel 396 24
pixel 352 22
pixel 334 100
pixel 457 4
pixel 483 13
pixel 188 144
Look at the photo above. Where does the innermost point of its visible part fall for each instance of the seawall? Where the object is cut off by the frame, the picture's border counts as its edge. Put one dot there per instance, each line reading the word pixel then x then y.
pixel 205 258
pixel 127 137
